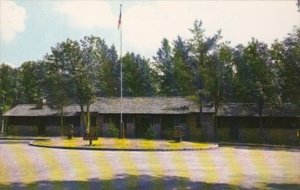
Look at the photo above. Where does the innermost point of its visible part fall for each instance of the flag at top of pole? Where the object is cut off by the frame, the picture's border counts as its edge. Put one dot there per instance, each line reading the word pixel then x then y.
pixel 120 17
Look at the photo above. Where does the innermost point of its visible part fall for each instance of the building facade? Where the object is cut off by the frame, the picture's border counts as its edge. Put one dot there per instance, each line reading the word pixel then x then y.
pixel 234 122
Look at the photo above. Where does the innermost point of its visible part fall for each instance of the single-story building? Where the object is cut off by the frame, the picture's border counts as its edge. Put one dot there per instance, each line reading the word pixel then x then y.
pixel 235 122
pixel 139 114
pixel 240 123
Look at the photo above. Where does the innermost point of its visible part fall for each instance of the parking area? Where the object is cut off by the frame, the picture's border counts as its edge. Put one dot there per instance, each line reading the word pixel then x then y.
pixel 26 167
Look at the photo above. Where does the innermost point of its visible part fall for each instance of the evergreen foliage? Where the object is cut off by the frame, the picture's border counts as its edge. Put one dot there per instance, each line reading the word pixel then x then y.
pixel 202 67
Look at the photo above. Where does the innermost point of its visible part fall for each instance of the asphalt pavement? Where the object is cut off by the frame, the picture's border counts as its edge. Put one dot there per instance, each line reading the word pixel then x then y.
pixel 26 167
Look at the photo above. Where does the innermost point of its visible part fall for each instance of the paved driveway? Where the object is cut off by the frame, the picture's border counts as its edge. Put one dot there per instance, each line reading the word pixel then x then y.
pixel 26 167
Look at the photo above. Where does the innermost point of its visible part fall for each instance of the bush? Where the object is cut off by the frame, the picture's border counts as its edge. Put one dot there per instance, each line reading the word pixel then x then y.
pixel 113 131
pixel 151 133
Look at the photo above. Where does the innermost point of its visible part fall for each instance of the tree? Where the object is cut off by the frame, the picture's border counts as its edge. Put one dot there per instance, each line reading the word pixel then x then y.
pixel 219 80
pixel 57 81
pixel 182 67
pixel 8 88
pixel 29 80
pixel 202 50
pixel 165 69
pixel 286 56
pixel 137 76
pixel 254 78
pixel 109 72
pixel 82 67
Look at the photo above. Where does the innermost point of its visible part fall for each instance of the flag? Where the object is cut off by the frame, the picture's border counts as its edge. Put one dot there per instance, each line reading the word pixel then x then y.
pixel 120 17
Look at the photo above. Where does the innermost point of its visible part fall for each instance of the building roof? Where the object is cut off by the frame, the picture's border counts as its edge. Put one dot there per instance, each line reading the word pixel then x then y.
pixel 240 110
pixel 134 105
pixel 157 105
pixel 145 105
pixel 31 110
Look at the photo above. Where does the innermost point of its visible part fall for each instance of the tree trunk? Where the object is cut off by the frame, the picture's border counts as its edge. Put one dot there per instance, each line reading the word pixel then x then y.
pixel 86 120
pixel 88 123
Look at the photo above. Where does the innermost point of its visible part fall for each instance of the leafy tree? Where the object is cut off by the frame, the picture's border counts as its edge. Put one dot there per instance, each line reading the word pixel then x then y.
pixel 219 76
pixel 81 61
pixel 57 81
pixel 182 67
pixel 286 56
pixel 137 76
pixel 109 72
pixel 165 69
pixel 8 88
pixel 202 50
pixel 254 78
pixel 29 80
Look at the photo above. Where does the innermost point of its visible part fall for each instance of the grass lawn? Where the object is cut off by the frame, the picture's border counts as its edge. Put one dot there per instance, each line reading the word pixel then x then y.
pixel 124 144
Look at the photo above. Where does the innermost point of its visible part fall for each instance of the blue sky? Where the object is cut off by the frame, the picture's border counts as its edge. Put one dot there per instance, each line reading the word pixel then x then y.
pixel 29 28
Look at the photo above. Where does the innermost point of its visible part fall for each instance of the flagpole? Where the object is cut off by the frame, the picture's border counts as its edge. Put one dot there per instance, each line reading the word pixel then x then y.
pixel 121 70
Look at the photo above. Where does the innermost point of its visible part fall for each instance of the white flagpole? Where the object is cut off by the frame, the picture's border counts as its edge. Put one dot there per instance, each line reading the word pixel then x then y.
pixel 121 65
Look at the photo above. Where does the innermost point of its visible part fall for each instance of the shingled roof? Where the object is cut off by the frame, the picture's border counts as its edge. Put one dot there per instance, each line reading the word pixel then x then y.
pixel 31 110
pixel 157 105
pixel 134 105
pixel 146 105
pixel 240 109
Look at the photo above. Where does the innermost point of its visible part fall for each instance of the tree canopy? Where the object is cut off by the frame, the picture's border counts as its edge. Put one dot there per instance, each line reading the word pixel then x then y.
pixel 203 67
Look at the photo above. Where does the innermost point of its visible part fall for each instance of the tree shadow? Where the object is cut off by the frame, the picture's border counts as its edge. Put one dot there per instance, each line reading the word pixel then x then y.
pixel 14 141
pixel 145 182
pixel 293 149
pixel 283 186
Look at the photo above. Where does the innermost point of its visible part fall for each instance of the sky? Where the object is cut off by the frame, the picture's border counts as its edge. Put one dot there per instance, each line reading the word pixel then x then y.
pixel 29 28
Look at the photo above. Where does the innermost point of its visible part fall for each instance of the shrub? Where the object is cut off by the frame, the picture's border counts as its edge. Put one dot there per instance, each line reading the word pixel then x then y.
pixel 151 133
pixel 113 131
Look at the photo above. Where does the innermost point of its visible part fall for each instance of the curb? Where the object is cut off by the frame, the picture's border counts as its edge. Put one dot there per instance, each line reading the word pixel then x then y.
pixel 262 146
pixel 123 149
pixel 24 138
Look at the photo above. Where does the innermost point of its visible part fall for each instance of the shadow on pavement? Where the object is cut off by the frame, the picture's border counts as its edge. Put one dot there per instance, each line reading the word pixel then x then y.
pixel 145 182
pixel 14 141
